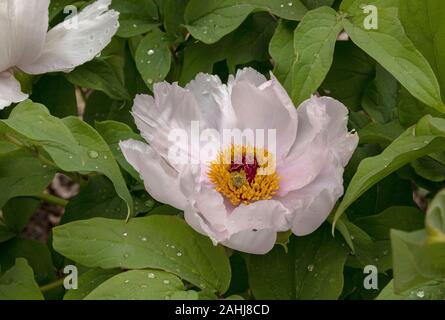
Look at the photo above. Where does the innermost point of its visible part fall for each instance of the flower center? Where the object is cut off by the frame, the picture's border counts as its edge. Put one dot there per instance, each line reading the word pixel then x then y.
pixel 244 174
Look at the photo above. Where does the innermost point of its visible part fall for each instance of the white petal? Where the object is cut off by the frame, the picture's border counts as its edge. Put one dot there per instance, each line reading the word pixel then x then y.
pixel 69 45
pixel 254 242
pixel 170 112
pixel 315 201
pixel 23 26
pixel 213 99
pixel 161 180
pixel 265 214
pixel 267 107
pixel 10 91
pixel 246 74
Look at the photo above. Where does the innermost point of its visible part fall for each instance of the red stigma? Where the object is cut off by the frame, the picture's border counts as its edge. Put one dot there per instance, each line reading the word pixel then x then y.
pixel 249 169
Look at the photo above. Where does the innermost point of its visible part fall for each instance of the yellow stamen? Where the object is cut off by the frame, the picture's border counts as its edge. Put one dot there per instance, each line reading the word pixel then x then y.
pixel 235 185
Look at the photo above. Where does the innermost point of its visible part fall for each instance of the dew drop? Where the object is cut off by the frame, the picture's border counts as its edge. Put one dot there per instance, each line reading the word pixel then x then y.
pixel 126 255
pixel 179 254
pixel 166 282
pixel 310 267
pixel 144 239
pixel 352 237
pixel 150 52
pixel 282 6
pixel 420 294
pixel 385 252
pixel 143 286
pixel 135 25
pixel 151 275
pixel 125 234
pixel 290 4
pixel 172 247
pixel 126 281
pixel 93 154
pixel 150 81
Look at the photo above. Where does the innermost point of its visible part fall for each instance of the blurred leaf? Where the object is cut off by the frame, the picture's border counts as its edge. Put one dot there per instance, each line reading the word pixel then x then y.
pixel 433 290
pixel 18 283
pixel 18 211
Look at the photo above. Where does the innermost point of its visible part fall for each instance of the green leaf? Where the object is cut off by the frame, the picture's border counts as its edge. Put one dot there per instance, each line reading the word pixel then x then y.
pixel 23 174
pixel 57 94
pixel 435 218
pixel 135 17
pixel 272 276
pixel 411 145
pixel 18 211
pixel 5 232
pixel 314 43
pixel 249 43
pixel 142 285
pixel 424 24
pixel 314 4
pixel 382 134
pixel 403 218
pixel 161 242
pixel 97 199
pixel 349 76
pixel 174 17
pixel 211 20
pixel 380 98
pixel 73 145
pixel 430 169
pixel 281 49
pixel 411 110
pixel 99 75
pixel 89 281
pixel 35 252
pixel 153 57
pixel 416 260
pixel 433 290
pixel 18 283
pixel 114 132
pixel 319 264
pixel 312 269
pixel 390 46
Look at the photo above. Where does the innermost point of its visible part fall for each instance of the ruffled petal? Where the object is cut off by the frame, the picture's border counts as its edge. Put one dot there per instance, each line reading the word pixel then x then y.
pixel 266 107
pixel 23 26
pixel 68 47
pixel 314 202
pixel 10 91
pixel 160 179
pixel 213 99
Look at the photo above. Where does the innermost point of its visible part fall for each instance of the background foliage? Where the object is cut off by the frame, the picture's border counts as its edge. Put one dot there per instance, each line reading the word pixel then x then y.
pixel 392 215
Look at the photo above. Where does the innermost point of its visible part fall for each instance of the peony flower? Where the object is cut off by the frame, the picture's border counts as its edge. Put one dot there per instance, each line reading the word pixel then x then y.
pixel 27 44
pixel 239 204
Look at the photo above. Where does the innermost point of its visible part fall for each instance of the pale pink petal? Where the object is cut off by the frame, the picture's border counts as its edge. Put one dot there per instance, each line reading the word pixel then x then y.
pixel 254 242
pixel 23 26
pixel 10 91
pixel 160 179
pixel 68 46
pixel 267 108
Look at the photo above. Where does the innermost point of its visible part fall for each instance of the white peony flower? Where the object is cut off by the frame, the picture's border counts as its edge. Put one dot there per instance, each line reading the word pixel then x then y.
pixel 26 43
pixel 232 202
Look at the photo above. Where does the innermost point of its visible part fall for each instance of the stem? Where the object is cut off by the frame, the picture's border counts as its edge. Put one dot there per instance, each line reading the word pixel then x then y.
pixel 51 286
pixel 53 199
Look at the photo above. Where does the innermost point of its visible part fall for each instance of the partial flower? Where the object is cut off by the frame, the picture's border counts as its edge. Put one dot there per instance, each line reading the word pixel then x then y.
pixel 27 44
pixel 239 203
